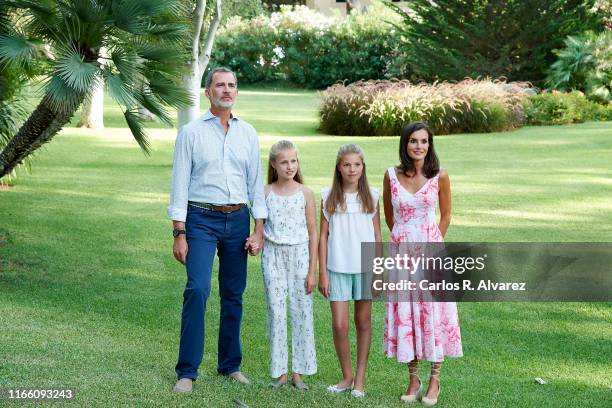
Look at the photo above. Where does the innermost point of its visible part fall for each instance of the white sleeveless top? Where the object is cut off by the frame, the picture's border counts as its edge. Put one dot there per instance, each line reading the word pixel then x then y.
pixel 286 222
pixel 347 230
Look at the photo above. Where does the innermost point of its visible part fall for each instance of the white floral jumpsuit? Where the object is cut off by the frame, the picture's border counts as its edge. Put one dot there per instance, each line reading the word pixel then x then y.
pixel 285 262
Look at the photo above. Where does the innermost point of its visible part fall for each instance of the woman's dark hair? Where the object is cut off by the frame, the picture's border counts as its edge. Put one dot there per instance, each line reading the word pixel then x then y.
pixel 431 165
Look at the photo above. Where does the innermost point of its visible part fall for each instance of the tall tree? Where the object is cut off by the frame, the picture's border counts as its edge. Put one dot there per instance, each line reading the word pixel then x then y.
pixel 451 40
pixel 201 47
pixel 141 36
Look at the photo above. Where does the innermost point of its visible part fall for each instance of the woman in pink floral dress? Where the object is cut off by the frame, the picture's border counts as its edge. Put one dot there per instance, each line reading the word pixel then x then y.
pixel 419 330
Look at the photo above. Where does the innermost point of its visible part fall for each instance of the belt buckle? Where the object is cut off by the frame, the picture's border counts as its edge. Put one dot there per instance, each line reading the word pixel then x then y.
pixel 226 209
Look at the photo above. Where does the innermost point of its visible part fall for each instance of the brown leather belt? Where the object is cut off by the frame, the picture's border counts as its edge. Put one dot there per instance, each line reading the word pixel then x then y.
pixel 225 208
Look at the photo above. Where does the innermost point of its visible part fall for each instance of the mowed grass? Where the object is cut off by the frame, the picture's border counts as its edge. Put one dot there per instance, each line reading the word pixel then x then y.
pixel 90 296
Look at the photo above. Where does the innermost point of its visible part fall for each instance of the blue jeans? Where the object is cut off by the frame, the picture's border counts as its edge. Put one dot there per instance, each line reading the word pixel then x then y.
pixel 207 232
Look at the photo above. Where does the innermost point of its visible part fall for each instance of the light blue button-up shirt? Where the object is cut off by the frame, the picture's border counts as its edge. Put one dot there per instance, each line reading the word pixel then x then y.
pixel 217 168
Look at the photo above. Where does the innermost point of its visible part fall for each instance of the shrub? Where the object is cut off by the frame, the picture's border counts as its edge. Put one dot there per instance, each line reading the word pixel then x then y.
pixel 307 48
pixel 384 107
pixel 585 64
pixel 246 46
pixel 557 108
pixel 355 48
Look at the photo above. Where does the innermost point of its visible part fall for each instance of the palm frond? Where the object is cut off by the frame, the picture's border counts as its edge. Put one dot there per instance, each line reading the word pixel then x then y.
pixel 150 17
pixel 12 114
pixel 169 32
pixel 128 17
pixel 16 50
pixel 62 97
pixel 157 8
pixel 158 53
pixel 135 123
pixel 126 60
pixel 5 19
pixel 40 17
pixel 153 105
pixel 121 92
pixel 170 92
pixel 168 70
pixel 76 73
pixel 90 11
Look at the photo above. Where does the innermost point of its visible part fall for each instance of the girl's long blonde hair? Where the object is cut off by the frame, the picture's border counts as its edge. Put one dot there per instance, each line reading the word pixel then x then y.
pixel 275 150
pixel 335 200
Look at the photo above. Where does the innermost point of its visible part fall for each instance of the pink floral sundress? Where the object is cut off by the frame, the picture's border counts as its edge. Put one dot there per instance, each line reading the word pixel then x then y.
pixel 419 329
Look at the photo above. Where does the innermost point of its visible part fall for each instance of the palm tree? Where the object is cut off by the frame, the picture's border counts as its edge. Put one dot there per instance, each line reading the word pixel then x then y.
pixel 144 42
pixel 12 109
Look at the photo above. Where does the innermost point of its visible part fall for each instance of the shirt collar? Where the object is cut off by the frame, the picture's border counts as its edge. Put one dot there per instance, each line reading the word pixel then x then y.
pixel 209 115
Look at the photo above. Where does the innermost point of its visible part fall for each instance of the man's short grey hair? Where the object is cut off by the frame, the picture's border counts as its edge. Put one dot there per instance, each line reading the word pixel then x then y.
pixel 212 73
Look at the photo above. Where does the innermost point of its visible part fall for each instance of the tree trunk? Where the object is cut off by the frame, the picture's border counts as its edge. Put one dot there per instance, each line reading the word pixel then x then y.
pixel 92 111
pixel 200 56
pixel 192 83
pixel 39 128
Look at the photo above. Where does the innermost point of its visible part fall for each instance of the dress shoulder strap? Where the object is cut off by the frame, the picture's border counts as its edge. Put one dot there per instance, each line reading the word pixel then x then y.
pixel 392 174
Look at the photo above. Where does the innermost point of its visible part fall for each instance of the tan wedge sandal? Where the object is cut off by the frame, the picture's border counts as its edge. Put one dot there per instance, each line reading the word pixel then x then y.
pixel 435 373
pixel 413 370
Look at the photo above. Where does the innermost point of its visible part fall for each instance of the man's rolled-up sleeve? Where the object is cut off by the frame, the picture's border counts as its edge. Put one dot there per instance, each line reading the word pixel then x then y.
pixel 255 182
pixel 181 177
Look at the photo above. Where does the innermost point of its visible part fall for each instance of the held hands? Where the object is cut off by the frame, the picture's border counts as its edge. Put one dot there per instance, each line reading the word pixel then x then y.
pixel 310 282
pixel 254 243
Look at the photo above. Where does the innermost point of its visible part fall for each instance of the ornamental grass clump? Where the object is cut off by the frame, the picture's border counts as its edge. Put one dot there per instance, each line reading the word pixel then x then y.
pixel 384 107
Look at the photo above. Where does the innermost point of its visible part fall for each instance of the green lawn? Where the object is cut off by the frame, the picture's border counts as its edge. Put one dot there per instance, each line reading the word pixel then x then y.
pixel 90 296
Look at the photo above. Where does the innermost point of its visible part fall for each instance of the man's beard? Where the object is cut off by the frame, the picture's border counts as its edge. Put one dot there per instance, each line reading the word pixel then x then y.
pixel 221 104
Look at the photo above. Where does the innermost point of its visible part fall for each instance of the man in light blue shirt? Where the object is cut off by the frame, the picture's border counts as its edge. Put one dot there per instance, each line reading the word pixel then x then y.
pixel 216 173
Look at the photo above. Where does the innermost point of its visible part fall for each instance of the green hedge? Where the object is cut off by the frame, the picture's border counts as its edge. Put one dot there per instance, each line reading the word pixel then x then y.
pixel 557 108
pixel 306 48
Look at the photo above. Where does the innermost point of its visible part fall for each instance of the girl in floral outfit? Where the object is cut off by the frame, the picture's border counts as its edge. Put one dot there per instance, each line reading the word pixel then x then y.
pixel 288 262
